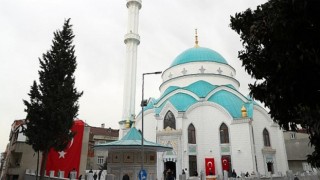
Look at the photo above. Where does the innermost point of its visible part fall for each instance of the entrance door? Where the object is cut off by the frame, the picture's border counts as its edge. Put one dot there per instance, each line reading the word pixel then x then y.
pixel 270 167
pixel 193 166
pixel 172 166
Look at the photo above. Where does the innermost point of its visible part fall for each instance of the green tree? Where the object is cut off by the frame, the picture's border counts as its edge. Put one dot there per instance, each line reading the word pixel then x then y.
pixel 53 102
pixel 281 41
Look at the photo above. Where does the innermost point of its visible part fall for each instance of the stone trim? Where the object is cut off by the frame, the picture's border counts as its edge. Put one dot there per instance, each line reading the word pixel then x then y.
pixel 268 150
pixel 241 120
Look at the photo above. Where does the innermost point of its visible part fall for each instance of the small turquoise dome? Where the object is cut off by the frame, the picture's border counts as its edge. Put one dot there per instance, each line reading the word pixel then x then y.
pixel 197 54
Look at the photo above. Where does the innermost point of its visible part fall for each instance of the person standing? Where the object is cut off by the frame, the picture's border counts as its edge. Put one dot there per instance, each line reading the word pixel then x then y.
pixel 90 175
pixel 234 174
pixel 187 174
pixel 165 174
pixel 170 175
pixel 95 176
pixel 73 174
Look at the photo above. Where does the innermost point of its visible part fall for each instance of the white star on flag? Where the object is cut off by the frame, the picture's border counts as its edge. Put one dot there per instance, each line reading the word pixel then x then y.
pixel 62 154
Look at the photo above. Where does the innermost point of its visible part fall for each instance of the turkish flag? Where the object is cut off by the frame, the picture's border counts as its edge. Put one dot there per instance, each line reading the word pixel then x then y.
pixel 210 166
pixel 69 158
pixel 225 163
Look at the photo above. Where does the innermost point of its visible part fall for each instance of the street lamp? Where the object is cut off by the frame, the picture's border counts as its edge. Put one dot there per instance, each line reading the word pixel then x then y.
pixel 143 104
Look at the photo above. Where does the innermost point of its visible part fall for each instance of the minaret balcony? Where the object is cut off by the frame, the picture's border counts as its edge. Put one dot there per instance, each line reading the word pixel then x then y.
pixel 138 2
pixel 132 37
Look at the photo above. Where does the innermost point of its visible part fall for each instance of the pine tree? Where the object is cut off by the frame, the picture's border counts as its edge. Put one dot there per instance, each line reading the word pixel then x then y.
pixel 54 101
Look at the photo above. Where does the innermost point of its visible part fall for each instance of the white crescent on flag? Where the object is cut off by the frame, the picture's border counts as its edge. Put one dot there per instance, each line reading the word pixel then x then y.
pixel 224 161
pixel 71 142
pixel 209 164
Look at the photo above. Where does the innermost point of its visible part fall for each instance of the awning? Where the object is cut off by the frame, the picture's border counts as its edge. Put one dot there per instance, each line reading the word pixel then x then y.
pixel 169 156
pixel 172 159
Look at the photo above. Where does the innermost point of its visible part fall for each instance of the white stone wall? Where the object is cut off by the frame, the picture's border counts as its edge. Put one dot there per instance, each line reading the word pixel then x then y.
pixel 207 120
pixel 262 120
pixel 242 160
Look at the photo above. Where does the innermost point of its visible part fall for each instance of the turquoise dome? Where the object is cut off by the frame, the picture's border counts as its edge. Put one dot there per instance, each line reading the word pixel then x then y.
pixel 198 54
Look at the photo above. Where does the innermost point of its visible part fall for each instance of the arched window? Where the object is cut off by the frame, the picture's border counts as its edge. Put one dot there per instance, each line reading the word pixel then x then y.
pixel 191 134
pixel 266 138
pixel 169 120
pixel 224 134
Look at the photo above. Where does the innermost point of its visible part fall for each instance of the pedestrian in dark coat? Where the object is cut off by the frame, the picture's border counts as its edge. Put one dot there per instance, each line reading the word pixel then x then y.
pixel 126 177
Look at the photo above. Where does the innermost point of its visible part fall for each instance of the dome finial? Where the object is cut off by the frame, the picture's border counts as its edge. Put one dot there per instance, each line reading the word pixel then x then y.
pixel 196 45
pixel 244 112
pixel 127 125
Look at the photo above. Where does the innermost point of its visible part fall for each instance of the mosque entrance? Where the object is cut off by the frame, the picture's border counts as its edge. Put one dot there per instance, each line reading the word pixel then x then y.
pixel 172 166
pixel 270 167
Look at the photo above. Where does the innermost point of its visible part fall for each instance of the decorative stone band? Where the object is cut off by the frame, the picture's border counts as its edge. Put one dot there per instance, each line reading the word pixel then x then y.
pixel 241 120
pixel 169 131
pixel 268 150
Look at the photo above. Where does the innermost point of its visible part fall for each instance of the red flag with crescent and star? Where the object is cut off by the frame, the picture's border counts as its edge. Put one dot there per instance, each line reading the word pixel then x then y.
pixel 69 158
pixel 210 166
pixel 225 163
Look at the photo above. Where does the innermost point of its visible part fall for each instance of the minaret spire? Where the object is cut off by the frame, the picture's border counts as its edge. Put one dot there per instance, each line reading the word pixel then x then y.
pixel 132 40
pixel 196 38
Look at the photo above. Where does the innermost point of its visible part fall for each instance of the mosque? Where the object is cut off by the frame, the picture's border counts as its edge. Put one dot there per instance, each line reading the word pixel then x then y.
pixel 208 122
pixel 210 125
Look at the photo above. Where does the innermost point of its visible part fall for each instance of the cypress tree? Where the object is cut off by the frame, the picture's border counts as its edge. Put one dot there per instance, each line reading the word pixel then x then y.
pixel 53 102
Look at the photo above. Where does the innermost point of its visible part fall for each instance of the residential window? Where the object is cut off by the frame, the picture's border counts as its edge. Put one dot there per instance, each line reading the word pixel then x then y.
pixel 100 160
pixel 224 134
pixel 266 138
pixel 169 120
pixel 191 134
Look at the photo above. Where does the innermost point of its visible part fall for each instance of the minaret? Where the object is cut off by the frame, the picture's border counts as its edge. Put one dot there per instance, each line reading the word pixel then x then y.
pixel 132 40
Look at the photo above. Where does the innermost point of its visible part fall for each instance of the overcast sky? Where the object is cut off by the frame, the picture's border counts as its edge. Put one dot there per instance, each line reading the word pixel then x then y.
pixel 166 29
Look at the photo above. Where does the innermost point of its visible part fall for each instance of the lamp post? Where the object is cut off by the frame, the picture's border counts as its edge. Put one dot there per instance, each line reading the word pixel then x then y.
pixel 144 103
